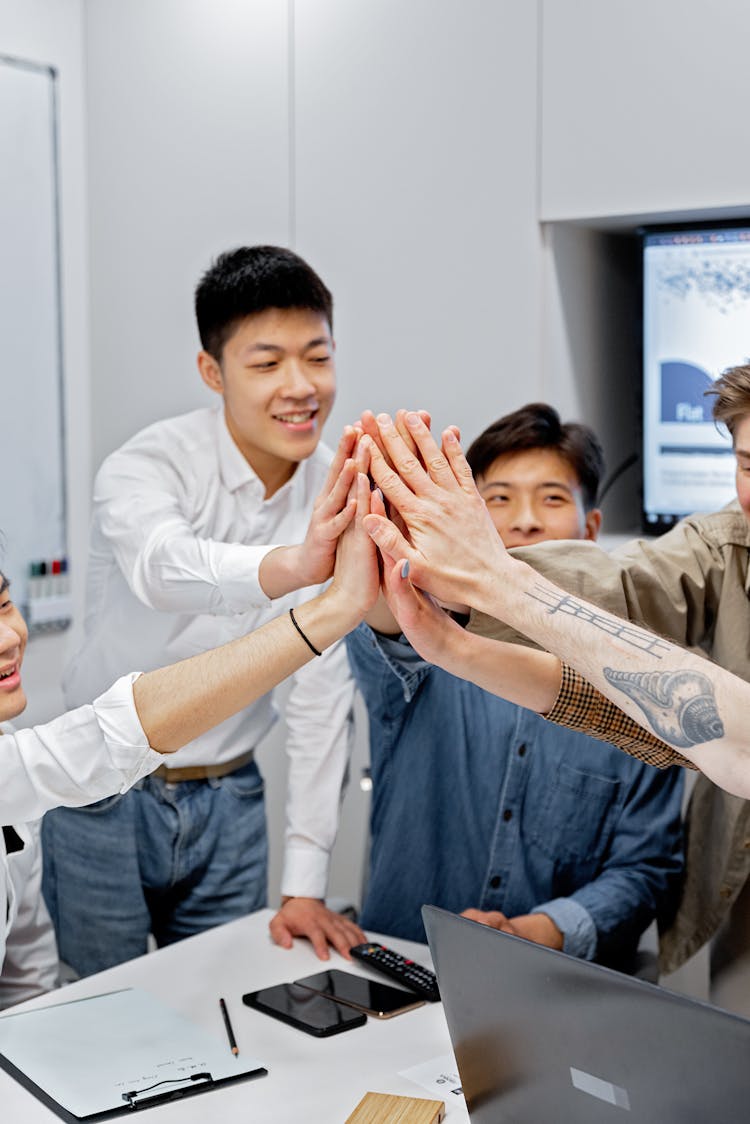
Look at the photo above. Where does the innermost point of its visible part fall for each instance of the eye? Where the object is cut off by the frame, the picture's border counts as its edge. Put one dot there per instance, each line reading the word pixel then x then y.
pixel 496 500
pixel 267 366
pixel 554 499
pixel 320 359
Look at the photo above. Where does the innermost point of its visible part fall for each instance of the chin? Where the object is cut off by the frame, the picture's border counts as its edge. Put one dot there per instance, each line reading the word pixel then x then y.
pixel 11 708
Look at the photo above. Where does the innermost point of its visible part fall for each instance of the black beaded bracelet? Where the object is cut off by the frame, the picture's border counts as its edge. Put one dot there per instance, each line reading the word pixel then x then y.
pixel 312 647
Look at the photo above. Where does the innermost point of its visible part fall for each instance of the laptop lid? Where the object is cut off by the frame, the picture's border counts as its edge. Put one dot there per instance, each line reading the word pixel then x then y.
pixel 541 1036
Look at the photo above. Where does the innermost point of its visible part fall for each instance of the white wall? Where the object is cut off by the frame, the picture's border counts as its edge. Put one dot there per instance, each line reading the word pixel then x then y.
pixel 416 193
pixel 189 155
pixel 643 107
pixel 51 32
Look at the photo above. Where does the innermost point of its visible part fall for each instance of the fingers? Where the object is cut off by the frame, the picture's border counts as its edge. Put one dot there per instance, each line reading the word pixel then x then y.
pixel 493 918
pixel 344 450
pixel 280 933
pixel 440 465
pixel 333 498
pixel 344 934
pixel 307 917
pixel 387 479
pixel 456 459
pixel 387 537
pixel 403 599
pixel 403 453
pixel 377 506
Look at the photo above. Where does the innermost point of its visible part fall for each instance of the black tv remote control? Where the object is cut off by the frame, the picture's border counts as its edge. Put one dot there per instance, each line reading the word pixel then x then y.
pixel 407 972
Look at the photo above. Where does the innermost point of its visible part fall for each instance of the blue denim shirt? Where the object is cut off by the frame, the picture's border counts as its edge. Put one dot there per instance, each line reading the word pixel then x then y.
pixel 477 803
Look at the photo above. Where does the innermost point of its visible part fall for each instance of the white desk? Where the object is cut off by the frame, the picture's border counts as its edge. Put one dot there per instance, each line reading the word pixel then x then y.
pixel 315 1081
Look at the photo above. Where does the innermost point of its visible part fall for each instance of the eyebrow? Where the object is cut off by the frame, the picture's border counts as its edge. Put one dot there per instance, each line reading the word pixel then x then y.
pixel 4 585
pixel 544 484
pixel 321 341
pixel 742 453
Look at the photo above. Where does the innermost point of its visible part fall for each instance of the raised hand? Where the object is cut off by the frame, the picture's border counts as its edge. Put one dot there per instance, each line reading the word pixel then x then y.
pixel 332 512
pixel 311 562
pixel 451 544
pixel 356 574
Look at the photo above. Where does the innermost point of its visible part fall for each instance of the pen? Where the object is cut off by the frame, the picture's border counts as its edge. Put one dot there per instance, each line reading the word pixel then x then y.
pixel 230 1033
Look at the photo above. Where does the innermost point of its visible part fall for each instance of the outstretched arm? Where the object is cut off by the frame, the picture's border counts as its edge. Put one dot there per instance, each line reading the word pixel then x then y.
pixel 455 553
pixel 178 703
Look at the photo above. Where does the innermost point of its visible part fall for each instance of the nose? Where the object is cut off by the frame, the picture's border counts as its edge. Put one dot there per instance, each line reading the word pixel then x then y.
pixel 297 383
pixel 526 519
pixel 10 642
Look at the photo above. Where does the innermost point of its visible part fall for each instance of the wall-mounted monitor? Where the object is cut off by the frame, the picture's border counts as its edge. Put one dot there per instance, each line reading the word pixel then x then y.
pixel 696 323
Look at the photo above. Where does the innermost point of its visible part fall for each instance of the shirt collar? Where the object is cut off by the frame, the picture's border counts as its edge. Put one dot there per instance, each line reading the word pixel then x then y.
pixel 236 472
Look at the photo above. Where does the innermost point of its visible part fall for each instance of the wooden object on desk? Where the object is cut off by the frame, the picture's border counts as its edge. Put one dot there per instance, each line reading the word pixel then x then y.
pixel 384 1108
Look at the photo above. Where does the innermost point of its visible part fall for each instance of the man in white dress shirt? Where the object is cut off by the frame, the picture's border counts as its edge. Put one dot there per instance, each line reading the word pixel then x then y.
pixel 184 556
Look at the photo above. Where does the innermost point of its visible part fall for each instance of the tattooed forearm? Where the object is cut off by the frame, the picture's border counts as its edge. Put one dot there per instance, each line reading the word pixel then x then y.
pixel 680 705
pixel 639 638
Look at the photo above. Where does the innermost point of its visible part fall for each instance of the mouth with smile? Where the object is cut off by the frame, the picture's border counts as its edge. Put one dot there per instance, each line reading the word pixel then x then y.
pixel 10 677
pixel 297 421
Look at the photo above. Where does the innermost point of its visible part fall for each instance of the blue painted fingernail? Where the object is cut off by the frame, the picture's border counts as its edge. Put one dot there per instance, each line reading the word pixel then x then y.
pixel 405 568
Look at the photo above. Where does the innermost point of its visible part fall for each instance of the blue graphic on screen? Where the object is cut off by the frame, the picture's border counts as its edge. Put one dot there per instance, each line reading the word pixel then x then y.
pixel 696 324
pixel 683 386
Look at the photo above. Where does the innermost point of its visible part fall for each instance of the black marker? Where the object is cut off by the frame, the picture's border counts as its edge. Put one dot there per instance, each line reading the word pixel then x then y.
pixel 230 1033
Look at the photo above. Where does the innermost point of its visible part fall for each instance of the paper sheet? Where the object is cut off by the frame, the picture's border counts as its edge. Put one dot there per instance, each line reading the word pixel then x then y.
pixel 87 1053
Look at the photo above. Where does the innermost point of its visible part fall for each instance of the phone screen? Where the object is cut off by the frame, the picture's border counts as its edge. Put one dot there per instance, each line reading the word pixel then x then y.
pixel 368 995
pixel 304 1009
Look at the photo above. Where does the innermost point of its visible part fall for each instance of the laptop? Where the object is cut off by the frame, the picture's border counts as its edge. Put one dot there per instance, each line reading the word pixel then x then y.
pixel 541 1036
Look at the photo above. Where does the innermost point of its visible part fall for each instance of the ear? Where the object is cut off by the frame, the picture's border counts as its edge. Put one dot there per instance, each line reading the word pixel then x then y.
pixel 210 372
pixel 593 524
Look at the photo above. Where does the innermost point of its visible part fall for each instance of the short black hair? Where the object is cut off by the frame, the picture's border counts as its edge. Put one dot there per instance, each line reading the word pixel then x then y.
pixel 538 426
pixel 253 279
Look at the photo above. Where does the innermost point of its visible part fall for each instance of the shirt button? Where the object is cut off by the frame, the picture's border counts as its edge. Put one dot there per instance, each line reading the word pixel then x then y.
pixel 495 881
pixel 507 815
pixel 747 844
pixel 725 891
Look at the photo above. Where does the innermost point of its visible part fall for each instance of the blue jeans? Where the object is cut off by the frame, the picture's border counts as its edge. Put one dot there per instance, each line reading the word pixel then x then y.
pixel 167 859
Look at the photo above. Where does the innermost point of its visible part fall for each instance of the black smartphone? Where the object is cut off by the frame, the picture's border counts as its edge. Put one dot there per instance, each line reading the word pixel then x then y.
pixel 374 998
pixel 305 1009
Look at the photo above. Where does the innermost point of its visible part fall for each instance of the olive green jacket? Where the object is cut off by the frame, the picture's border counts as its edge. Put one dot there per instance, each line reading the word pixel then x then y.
pixel 691 585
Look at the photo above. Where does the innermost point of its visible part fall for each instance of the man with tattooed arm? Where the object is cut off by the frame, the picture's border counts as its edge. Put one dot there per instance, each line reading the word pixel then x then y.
pixel 691 586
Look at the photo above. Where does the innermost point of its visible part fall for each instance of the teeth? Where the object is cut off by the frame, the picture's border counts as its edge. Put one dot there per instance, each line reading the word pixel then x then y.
pixel 7 674
pixel 295 418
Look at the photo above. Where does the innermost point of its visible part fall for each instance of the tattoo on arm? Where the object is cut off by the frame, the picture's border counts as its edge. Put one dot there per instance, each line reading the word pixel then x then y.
pixel 680 705
pixel 630 634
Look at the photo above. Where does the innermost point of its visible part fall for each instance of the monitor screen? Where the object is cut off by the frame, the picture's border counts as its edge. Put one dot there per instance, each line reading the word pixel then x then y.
pixel 696 323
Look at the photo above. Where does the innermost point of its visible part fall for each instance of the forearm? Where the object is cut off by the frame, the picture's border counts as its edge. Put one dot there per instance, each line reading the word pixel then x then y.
pixel 282 571
pixel 690 704
pixel 524 676
pixel 177 703
pixel 381 619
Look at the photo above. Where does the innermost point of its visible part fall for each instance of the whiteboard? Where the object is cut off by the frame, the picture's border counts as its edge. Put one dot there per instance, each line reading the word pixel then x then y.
pixel 32 507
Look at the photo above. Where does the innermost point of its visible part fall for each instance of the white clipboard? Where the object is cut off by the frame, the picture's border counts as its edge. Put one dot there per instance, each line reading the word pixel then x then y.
pixel 90 1059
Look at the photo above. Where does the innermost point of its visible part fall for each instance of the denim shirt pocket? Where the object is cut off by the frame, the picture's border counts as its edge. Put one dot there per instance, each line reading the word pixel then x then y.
pixel 577 816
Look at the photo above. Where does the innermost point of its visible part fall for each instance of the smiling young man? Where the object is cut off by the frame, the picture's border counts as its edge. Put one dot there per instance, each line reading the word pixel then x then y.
pixel 184 556
pixel 480 807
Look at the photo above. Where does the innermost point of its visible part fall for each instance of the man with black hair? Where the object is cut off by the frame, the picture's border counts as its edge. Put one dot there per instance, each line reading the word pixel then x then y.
pixel 186 518
pixel 478 805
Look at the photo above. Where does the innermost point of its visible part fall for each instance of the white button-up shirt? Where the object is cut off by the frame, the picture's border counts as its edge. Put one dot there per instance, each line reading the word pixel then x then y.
pixel 180 527
pixel 83 756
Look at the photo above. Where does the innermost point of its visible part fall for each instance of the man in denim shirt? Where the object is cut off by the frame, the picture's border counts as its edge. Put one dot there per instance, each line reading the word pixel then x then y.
pixel 480 806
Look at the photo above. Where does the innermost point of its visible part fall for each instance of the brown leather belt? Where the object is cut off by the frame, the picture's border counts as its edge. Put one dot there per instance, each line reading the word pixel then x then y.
pixel 202 772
